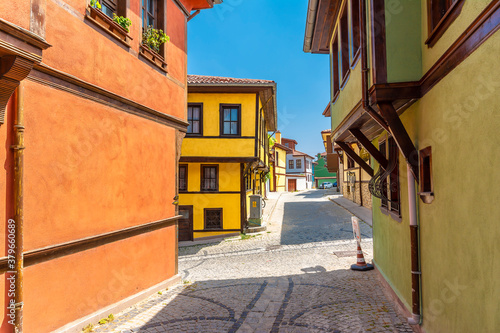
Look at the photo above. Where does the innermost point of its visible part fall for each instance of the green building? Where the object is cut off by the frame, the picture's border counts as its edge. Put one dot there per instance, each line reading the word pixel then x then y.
pixel 321 173
pixel 415 85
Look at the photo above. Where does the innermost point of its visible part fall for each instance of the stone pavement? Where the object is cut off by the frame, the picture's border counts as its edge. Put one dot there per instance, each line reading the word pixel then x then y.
pixel 294 279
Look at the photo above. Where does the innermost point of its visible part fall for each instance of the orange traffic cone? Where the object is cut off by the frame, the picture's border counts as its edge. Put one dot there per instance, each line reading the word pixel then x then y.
pixel 361 264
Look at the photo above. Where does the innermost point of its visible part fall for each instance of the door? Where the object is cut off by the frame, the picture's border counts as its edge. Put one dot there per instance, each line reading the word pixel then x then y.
pixel 186 223
pixel 292 185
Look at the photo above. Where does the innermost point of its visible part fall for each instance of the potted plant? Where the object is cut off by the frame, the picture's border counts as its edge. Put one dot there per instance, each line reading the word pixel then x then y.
pixel 118 26
pixel 152 39
pixel 123 22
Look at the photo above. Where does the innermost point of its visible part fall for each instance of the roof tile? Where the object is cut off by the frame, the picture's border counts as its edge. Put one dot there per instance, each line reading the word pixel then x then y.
pixel 204 79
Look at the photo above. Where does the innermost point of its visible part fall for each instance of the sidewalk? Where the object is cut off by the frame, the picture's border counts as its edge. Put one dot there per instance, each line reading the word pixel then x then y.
pixel 363 213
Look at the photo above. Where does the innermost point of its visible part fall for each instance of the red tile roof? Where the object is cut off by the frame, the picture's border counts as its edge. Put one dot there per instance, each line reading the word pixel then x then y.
pixel 203 79
pixel 299 153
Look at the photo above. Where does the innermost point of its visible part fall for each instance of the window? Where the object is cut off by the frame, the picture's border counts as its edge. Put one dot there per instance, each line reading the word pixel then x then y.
pixel 344 40
pixel 394 176
pixel 426 186
pixel 290 164
pixel 209 178
pixel 440 15
pixel 109 7
pixel 248 181
pixel 384 202
pixel 298 164
pixel 149 10
pixel 183 172
pixel 213 218
pixel 350 163
pixel 335 65
pixel 286 144
pixel 277 158
pixel 195 119
pixel 230 120
pixel 356 27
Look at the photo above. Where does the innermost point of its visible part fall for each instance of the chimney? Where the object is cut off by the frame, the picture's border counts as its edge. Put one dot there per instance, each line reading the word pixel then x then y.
pixel 278 136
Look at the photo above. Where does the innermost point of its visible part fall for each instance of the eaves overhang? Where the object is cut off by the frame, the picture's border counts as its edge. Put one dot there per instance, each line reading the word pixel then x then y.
pixel 267 94
pixel 320 22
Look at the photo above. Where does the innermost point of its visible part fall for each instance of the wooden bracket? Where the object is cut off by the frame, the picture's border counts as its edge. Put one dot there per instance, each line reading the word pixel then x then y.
pixel 401 136
pixel 366 143
pixel 355 157
pixel 13 69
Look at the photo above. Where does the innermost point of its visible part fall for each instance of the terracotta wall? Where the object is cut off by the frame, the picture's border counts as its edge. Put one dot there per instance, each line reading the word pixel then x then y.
pixel 91 167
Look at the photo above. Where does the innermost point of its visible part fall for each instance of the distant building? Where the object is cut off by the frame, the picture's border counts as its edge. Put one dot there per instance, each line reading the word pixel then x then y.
pixel 225 155
pixel 298 167
pixel 277 182
pixel 321 173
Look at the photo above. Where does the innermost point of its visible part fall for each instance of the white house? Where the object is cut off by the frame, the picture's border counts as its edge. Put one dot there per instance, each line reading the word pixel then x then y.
pixel 298 168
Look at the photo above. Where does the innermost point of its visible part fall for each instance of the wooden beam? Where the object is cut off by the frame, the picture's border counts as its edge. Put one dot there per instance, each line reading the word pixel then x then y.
pixel 401 137
pixel 355 157
pixel 376 154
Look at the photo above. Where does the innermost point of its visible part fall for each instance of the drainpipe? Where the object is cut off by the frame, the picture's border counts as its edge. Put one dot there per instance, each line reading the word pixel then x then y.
pixel 18 149
pixel 414 243
pixel 414 240
pixel 365 70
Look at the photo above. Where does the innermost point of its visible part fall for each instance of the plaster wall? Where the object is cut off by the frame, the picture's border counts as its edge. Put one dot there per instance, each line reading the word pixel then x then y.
pixel 458 280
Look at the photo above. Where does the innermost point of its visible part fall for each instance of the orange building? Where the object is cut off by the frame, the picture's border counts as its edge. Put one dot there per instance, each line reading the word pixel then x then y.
pixel 92 121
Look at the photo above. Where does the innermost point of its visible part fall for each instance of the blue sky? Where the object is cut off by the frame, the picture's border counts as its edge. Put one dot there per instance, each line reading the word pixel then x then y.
pixel 263 39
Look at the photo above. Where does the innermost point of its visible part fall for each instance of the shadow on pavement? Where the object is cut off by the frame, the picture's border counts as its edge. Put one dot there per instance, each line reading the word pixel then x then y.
pixel 335 301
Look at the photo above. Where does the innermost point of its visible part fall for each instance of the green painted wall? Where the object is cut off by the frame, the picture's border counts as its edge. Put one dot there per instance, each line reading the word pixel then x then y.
pixel 403 47
pixel 460 230
pixel 320 169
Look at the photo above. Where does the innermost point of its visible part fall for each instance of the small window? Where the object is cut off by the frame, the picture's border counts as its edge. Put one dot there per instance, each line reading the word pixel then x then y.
pixel 440 15
pixel 213 218
pixel 149 10
pixel 335 65
pixel 248 181
pixel 356 28
pixel 109 7
pixel 195 119
pixel 286 144
pixel 209 178
pixel 290 164
pixel 344 40
pixel 426 185
pixel 298 164
pixel 277 158
pixel 183 176
pixel 230 120
pixel 384 202
pixel 394 177
pixel 350 163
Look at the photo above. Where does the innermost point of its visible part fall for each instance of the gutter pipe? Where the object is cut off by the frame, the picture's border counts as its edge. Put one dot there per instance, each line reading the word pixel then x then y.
pixel 310 22
pixel 18 149
pixel 415 319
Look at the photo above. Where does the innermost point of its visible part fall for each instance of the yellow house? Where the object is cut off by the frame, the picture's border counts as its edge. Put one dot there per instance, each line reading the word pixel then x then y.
pixel 225 154
pixel 278 172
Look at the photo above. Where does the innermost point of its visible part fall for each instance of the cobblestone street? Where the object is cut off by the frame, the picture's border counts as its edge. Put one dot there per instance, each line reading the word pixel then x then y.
pixel 294 277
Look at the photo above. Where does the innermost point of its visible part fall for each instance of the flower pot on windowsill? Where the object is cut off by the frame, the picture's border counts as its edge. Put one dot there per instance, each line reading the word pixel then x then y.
pixel 97 16
pixel 153 57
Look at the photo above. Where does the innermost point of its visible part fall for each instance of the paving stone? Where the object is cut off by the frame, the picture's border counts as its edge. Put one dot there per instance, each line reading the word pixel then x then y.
pixel 288 280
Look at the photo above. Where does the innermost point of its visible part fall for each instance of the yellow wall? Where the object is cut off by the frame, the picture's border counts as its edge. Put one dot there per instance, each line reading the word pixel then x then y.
pixel 281 162
pixel 211 127
pixel 215 146
pixel 229 180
